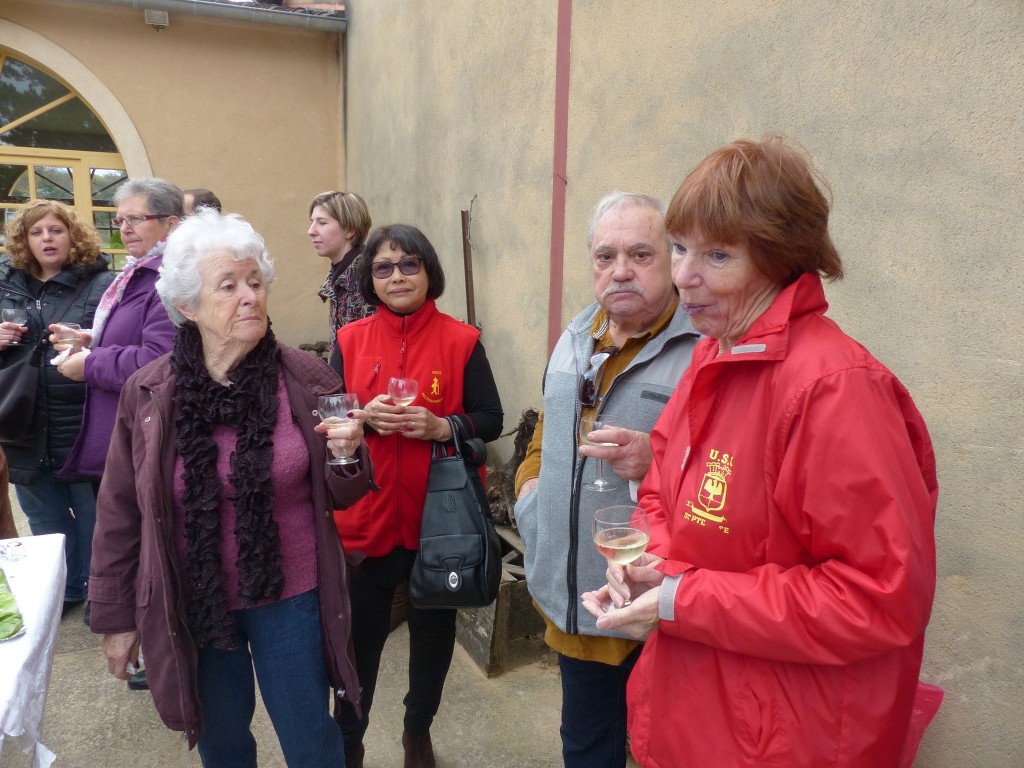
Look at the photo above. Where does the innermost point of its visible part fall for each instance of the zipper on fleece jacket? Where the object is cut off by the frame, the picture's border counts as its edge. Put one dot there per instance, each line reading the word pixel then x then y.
pixel 572 616
pixel 399 438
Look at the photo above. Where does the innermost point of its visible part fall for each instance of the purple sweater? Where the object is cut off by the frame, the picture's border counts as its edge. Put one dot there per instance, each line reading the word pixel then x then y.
pixel 293 507
pixel 136 332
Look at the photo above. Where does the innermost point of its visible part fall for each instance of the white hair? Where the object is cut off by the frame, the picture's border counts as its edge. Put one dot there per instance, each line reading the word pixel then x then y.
pixel 189 246
pixel 616 199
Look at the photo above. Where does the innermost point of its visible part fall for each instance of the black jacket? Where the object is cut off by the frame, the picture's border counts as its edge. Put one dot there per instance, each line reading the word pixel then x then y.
pixel 59 403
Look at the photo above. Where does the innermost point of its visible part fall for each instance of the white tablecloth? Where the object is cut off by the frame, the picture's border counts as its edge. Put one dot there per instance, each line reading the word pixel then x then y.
pixel 37 582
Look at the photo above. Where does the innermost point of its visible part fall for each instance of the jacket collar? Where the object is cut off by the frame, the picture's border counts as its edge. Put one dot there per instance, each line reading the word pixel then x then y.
pixel 768 336
pixel 407 325
pixel 679 325
pixel 304 366
pixel 69 277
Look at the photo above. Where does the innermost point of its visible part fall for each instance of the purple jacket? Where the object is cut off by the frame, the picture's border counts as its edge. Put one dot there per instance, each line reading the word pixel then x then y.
pixel 135 582
pixel 137 332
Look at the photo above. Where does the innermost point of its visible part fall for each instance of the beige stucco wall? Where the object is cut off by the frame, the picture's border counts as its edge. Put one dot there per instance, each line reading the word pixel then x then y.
pixel 251 112
pixel 911 109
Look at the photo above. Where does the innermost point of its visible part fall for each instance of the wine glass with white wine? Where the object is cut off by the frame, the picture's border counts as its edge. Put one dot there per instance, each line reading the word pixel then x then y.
pixel 334 411
pixel 621 533
pixel 69 335
pixel 403 391
pixel 600 483
pixel 16 315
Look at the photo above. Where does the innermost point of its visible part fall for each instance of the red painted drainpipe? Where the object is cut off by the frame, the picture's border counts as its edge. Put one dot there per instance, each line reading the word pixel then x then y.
pixel 559 181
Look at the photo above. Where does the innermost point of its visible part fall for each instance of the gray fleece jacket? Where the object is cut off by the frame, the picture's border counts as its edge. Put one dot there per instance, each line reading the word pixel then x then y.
pixel 554 519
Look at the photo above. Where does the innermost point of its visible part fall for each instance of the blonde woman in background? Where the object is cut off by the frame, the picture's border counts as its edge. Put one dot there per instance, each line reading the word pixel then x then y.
pixel 338 223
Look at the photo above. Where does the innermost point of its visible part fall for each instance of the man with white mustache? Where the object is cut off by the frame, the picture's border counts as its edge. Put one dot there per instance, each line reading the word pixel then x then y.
pixel 619 358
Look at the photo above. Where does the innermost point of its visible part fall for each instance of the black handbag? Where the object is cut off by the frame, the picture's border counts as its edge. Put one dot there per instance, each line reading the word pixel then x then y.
pixel 459 561
pixel 19 384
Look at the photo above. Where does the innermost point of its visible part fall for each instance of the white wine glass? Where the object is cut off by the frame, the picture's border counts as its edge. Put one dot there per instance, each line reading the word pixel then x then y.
pixel 600 483
pixel 16 315
pixel 68 334
pixel 334 411
pixel 621 533
pixel 403 391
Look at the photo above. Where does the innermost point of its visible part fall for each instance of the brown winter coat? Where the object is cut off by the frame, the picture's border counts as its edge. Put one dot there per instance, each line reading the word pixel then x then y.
pixel 135 581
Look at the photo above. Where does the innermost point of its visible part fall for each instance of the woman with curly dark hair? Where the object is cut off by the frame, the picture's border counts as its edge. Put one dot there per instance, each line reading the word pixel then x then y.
pixel 53 269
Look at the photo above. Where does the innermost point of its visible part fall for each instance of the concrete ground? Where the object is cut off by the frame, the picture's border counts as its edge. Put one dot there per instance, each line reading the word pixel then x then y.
pixel 93 721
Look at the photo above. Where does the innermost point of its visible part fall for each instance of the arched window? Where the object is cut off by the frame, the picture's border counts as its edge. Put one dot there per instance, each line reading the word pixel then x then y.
pixel 53 146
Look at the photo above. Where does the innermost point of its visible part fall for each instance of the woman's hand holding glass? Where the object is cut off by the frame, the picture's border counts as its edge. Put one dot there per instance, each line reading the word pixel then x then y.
pixel 629 601
pixel 412 421
pixel 13 326
pixel 342 424
pixel 69 336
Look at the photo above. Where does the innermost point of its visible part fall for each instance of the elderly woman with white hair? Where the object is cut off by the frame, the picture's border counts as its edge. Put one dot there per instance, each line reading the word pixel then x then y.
pixel 215 544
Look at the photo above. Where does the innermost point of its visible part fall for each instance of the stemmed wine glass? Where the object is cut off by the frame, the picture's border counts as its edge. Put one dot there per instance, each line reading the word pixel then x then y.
pixel 621 533
pixel 68 335
pixel 403 391
pixel 333 413
pixel 16 315
pixel 587 425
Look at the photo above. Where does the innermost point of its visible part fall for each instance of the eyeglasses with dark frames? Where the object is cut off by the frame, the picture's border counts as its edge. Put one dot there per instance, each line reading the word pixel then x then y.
pixel 136 220
pixel 408 266
pixel 589 381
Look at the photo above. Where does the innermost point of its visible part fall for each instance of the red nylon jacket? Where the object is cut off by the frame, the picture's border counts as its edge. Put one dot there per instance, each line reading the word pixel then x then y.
pixel 793 490
pixel 432 348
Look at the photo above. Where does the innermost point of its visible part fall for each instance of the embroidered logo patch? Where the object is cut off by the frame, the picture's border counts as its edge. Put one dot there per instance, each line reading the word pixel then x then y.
pixel 433 392
pixel 713 492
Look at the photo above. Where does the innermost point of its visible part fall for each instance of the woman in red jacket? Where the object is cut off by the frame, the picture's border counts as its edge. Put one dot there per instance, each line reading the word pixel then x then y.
pixel 792 498
pixel 408 338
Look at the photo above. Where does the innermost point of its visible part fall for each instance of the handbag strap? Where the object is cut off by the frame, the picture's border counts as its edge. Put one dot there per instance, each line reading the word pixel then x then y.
pixel 440 450
pixel 65 305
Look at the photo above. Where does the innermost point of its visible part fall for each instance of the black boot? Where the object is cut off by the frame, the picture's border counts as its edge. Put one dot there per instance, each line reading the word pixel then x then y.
pixel 419 752
pixel 354 756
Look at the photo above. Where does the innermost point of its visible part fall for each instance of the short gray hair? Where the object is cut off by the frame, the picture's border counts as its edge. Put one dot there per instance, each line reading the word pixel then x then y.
pixel 616 199
pixel 163 197
pixel 189 246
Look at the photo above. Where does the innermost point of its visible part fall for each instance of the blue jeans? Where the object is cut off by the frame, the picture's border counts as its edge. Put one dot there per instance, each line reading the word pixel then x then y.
pixel 69 508
pixel 282 642
pixel 594 712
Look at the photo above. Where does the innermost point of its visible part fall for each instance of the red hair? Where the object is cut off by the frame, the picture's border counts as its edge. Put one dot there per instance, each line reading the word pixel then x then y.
pixel 764 195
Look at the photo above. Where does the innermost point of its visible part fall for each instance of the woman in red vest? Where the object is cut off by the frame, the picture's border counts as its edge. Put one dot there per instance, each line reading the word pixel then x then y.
pixel 409 338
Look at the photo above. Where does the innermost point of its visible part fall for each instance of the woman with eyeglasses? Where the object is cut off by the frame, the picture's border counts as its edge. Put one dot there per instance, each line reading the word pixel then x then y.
pixel 131 326
pixel 407 338
pixel 338 223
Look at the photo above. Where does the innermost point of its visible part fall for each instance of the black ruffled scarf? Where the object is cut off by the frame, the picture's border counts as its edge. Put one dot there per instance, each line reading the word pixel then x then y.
pixel 249 406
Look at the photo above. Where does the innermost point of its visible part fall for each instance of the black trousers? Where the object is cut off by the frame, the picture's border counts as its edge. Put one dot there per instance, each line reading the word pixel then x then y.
pixel 372 587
